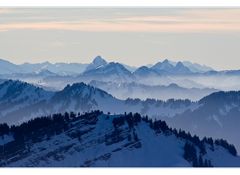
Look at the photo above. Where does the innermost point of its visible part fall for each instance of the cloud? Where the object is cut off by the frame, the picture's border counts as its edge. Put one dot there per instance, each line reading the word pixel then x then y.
pixel 193 20
pixel 5 11
pixel 123 26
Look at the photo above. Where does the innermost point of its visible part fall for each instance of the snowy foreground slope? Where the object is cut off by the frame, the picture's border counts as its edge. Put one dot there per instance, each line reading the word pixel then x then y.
pixel 99 140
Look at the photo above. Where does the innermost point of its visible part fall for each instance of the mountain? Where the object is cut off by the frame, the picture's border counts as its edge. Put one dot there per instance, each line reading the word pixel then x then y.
pixel 99 61
pixel 57 68
pixel 80 97
pixel 143 91
pixel 45 73
pixel 180 68
pixel 111 71
pixel 217 116
pixel 144 71
pixel 130 68
pixel 187 66
pixel 83 98
pixel 99 140
pixel 197 68
pixel 166 67
pixel 17 96
pixel 96 63
pixel 17 91
pixel 7 67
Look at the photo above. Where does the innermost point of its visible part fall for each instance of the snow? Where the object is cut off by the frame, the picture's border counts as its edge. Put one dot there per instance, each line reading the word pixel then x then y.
pixel 5 139
pixel 221 158
pixel 215 117
pixel 153 150
pixel 81 97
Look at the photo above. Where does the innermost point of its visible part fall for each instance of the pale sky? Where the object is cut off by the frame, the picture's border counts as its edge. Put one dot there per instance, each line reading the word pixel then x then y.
pixel 134 36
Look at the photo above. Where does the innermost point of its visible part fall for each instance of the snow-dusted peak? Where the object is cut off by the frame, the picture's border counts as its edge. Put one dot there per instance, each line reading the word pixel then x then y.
pixel 96 63
pixel 180 68
pixel 145 71
pixel 99 60
pixel 21 93
pixel 45 72
pixel 79 90
pixel 165 65
pixel 165 61
pixel 113 71
pixel 194 67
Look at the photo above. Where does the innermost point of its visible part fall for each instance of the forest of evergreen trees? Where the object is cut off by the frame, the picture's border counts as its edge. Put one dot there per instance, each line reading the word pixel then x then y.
pixel 58 123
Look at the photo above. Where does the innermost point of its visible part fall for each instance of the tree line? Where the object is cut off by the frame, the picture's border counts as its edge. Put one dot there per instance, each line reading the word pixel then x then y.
pixel 58 123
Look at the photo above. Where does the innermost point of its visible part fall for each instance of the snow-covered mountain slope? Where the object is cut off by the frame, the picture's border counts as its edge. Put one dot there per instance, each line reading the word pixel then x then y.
pixel 17 95
pixel 217 116
pixel 99 140
pixel 111 72
pixel 143 91
pixel 57 68
pixel 195 67
pixel 166 68
pixel 7 67
pixel 83 98
pixel 96 63
pixel 144 71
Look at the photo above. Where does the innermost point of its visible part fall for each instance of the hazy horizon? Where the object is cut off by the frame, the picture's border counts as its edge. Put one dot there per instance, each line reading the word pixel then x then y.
pixel 133 36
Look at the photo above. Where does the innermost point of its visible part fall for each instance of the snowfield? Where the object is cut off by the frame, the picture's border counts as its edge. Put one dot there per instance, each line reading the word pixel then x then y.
pixel 97 146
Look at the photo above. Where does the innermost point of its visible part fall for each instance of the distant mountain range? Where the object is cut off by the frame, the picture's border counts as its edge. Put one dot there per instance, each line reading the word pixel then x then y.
pixel 215 115
pixel 111 71
pixel 164 92
pixel 184 74
pixel 165 67
pixel 22 99
pixel 100 69
pixel 7 67
pixel 186 95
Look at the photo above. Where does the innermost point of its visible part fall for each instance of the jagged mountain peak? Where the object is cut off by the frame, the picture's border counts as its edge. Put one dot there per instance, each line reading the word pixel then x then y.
pixel 99 60
pixel 17 94
pixel 96 63
pixel 111 70
pixel 17 84
pixel 180 64
pixel 165 61
pixel 144 71
pixel 81 90
pixel 181 68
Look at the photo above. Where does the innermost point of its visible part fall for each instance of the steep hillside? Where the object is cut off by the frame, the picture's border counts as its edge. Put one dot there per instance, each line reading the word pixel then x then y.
pixel 99 140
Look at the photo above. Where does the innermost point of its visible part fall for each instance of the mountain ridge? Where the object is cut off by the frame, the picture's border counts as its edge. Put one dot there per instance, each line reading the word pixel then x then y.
pixel 103 140
pixel 77 68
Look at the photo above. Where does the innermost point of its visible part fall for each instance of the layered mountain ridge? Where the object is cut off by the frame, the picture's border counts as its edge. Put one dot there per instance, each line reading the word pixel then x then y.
pixel 212 116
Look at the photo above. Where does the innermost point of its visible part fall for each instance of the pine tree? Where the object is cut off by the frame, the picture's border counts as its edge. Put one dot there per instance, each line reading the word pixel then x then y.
pixel 210 163
pixel 190 154
pixel 205 163
pixel 200 161
pixel 135 136
pixel 129 137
